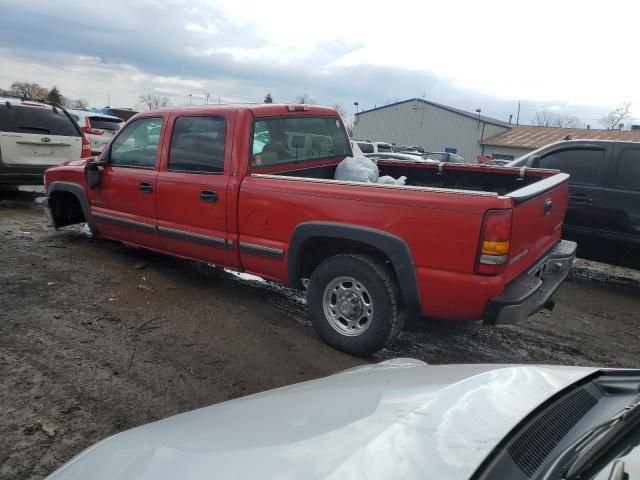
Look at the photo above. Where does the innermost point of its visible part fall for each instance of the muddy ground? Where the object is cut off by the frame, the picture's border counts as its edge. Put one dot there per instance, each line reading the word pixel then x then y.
pixel 96 338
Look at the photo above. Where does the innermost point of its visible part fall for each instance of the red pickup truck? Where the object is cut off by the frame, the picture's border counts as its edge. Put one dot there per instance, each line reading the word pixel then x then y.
pixel 252 188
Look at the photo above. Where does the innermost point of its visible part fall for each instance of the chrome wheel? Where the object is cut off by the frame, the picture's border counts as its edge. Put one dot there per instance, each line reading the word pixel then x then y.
pixel 348 306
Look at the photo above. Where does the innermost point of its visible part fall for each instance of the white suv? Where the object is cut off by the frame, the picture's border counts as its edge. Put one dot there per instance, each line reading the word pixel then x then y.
pixel 33 137
pixel 97 127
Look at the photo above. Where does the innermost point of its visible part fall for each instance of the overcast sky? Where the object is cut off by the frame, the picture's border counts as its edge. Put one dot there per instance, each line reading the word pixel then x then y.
pixel 574 57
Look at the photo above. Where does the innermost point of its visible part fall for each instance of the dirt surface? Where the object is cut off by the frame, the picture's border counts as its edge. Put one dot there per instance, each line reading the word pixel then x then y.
pixel 96 338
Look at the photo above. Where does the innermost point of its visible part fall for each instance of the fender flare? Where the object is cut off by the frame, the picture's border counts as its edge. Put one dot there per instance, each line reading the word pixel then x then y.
pixel 395 248
pixel 80 194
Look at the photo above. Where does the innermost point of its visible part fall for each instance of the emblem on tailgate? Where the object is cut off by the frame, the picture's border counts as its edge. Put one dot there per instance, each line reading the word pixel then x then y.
pixel 45 139
pixel 519 257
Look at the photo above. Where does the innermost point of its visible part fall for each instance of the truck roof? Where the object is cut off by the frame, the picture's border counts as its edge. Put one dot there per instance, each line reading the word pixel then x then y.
pixel 258 109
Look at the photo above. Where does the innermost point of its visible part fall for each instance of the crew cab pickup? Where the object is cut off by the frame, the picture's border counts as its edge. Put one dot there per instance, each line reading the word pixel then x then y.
pixel 455 242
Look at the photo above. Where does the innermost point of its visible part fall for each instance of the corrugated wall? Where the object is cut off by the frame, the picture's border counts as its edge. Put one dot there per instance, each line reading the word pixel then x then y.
pixel 417 123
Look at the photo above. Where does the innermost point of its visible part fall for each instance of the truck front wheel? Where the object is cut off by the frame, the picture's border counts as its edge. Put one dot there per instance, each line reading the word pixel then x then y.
pixel 355 303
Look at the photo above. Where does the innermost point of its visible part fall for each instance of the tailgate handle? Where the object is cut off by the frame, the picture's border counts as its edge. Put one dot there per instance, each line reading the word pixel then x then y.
pixel 580 198
pixel 548 206
pixel 146 187
pixel 208 196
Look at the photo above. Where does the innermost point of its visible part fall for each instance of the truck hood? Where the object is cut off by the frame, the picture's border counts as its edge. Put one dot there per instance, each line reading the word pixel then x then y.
pixel 397 419
pixel 78 163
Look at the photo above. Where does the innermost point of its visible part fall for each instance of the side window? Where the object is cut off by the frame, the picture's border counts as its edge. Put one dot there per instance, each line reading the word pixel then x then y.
pixel 628 174
pixel 137 145
pixel 584 165
pixel 197 145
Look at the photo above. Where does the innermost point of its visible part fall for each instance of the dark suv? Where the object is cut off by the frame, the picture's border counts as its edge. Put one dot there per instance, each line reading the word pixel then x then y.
pixel 604 193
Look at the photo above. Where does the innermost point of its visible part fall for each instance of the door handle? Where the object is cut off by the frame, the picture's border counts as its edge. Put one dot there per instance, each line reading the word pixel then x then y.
pixel 208 196
pixel 580 198
pixel 146 187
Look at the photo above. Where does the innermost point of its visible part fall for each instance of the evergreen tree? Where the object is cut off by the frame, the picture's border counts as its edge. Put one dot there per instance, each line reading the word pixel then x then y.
pixel 268 98
pixel 54 96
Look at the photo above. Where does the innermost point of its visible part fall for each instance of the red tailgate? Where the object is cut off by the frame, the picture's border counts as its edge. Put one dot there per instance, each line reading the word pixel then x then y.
pixel 536 226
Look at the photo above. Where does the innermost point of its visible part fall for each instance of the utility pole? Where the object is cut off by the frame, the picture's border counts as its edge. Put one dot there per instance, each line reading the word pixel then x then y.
pixel 206 98
pixel 108 99
pixel 518 115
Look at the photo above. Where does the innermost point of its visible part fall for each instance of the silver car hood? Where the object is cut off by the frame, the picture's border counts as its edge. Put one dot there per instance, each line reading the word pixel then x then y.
pixel 399 419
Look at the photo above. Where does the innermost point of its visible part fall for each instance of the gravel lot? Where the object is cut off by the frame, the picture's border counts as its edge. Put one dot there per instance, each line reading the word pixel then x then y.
pixel 96 338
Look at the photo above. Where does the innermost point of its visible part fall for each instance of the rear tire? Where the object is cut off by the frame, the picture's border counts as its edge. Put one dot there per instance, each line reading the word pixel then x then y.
pixel 355 303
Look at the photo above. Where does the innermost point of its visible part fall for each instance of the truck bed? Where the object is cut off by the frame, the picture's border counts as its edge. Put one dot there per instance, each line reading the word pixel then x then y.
pixel 502 181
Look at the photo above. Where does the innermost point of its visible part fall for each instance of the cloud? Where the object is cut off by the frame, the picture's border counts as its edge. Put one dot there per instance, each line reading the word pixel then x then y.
pixel 241 50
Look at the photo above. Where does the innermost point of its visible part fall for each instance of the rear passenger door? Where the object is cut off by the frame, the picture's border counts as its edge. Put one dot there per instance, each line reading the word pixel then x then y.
pixel 622 196
pixel 192 188
pixel 587 166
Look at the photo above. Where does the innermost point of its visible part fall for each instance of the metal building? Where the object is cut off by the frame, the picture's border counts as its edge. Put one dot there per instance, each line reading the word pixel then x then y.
pixel 435 127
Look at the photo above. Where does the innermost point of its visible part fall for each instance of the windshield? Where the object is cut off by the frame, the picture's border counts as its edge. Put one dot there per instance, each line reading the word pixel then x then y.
pixel 39 120
pixel 106 123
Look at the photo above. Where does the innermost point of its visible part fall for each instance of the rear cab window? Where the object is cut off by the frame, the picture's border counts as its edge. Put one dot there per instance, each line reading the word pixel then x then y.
pixel 584 165
pixel 36 119
pixel 291 140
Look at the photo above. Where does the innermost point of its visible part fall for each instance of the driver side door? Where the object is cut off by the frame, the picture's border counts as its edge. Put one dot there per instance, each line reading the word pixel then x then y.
pixel 123 205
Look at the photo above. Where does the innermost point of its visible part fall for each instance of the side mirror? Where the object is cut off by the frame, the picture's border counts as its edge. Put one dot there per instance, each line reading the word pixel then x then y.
pixel 534 161
pixel 92 171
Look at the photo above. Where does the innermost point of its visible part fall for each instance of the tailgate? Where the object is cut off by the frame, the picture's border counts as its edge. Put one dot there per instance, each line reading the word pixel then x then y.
pixel 538 214
pixel 38 149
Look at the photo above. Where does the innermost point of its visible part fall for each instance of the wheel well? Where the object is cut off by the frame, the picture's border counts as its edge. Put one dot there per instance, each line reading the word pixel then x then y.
pixel 316 249
pixel 65 208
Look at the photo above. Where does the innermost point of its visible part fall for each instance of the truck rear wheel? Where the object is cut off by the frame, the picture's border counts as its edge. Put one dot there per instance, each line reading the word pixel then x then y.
pixel 355 303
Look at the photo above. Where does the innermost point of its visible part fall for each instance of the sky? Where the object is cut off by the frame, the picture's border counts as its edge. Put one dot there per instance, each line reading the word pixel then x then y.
pixel 569 57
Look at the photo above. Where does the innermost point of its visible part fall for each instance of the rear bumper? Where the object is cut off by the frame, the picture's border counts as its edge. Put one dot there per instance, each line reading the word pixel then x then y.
pixel 532 290
pixel 22 174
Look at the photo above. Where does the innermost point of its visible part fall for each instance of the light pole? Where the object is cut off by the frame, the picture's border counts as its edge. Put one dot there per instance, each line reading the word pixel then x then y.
pixel 189 99
pixel 356 105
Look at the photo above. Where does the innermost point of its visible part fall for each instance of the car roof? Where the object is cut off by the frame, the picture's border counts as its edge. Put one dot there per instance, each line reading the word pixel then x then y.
pixel 89 113
pixel 23 102
pixel 258 109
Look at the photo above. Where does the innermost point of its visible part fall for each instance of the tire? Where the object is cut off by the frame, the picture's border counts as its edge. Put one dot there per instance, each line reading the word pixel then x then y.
pixel 355 303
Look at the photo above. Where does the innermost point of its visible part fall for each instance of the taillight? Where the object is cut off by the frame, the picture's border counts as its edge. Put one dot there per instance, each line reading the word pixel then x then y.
pixel 495 240
pixel 86 129
pixel 86 148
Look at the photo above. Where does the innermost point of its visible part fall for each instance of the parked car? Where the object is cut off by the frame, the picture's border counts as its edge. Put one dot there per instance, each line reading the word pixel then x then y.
pixel 407 157
pixel 457 241
pixel 496 162
pixel 445 157
pixel 604 189
pixel 366 147
pixel 98 128
pixel 34 136
pixel 398 419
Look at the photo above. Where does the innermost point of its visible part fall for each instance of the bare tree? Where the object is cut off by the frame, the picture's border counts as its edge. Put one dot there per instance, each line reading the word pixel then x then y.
pixel 29 90
pixel 153 102
pixel 305 99
pixel 617 116
pixel 550 119
pixel 75 103
pixel 342 111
